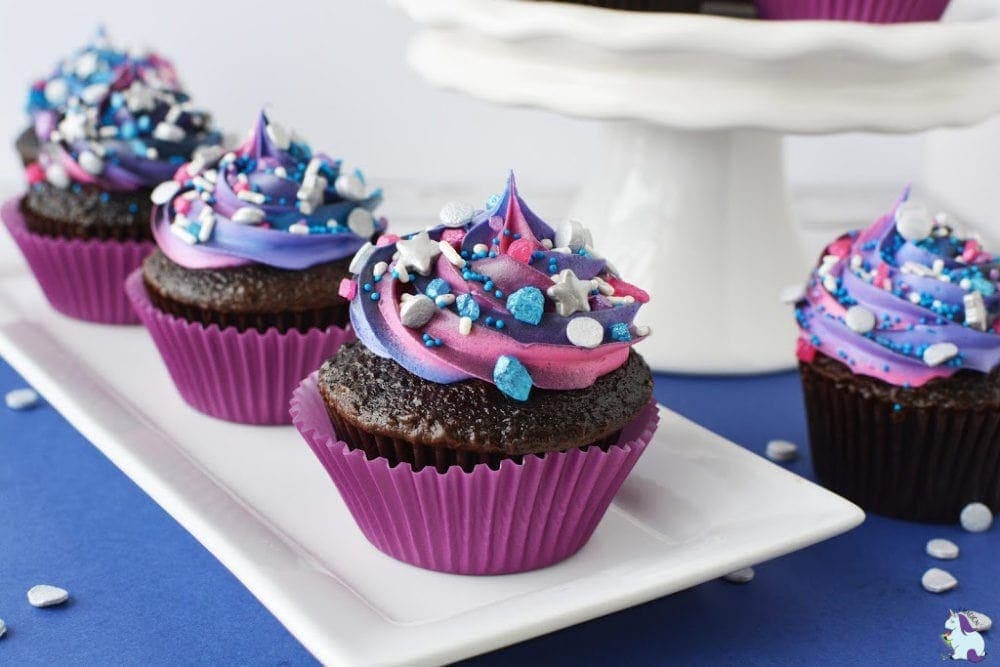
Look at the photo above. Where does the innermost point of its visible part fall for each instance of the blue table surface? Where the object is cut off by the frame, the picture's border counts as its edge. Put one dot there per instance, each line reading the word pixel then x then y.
pixel 144 591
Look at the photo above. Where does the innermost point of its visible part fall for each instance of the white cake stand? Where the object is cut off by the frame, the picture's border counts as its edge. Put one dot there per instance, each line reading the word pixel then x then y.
pixel 690 198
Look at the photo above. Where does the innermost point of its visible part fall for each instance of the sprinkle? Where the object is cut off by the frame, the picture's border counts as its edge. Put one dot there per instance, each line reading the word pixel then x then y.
pixel 619 331
pixel 417 252
pixel 361 258
pixel 164 192
pixel 456 214
pixel 936 580
pixel 939 353
pixel 298 228
pixel 361 222
pixel 975 311
pixel 976 517
pixel 522 250
pixel 437 287
pixel 350 186
pixel 21 399
pixel 168 132
pixel 44 595
pixel 781 451
pixel 526 304
pixel 859 319
pixel 480 249
pixel 571 234
pixel 90 163
pixel 465 326
pixel 248 215
pixel 585 332
pixel 604 287
pixel 57 176
pixel 252 197
pixel 512 378
pixel 744 576
pixel 913 221
pixel 941 549
pixel 379 269
pixel 401 273
pixel 180 231
pixel 467 306
pixel 444 300
pixel 642 331
pixel 569 293
pixel 416 312
pixel 451 254
pixel 348 288
pixel 830 283
pixel 374 296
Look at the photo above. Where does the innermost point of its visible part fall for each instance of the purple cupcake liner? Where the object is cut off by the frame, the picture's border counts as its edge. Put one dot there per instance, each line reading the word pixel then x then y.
pixel 81 278
pixel 245 377
pixel 867 11
pixel 522 516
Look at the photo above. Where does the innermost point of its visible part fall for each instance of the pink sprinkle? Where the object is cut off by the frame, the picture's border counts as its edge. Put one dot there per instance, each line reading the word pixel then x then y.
pixel 182 205
pixel 623 288
pixel 182 175
pixel 882 277
pixel 521 250
pixel 971 250
pixel 805 351
pixel 841 247
pixel 453 237
pixel 348 288
pixel 386 239
pixel 241 186
pixel 35 173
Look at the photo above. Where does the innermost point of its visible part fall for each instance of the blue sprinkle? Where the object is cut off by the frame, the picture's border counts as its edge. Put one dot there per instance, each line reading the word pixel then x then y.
pixel 488 286
pixel 437 287
pixel 527 304
pixel 488 320
pixel 506 232
pixel 499 324
pixel 127 130
pixel 144 123
pixel 897 407
pixel 374 296
pixel 467 306
pixel 104 197
pixel 512 378
pixel 133 208
pixel 517 236
pixel 619 331
pixel 367 287
pixel 498 294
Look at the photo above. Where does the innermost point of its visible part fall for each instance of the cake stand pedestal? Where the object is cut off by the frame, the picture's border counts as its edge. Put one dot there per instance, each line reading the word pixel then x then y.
pixel 689 197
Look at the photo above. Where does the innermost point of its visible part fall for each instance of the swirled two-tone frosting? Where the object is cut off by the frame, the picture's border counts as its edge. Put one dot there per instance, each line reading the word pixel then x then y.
pixel 273 201
pixel 114 119
pixel 907 300
pixel 496 295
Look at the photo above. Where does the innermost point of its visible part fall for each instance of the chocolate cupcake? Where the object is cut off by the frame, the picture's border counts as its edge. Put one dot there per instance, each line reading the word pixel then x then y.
pixel 686 6
pixel 252 247
pixel 107 126
pixel 865 11
pixel 899 354
pixel 494 352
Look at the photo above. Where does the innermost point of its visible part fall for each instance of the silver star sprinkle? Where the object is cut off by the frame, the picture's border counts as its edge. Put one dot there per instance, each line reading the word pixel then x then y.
pixel 418 253
pixel 570 293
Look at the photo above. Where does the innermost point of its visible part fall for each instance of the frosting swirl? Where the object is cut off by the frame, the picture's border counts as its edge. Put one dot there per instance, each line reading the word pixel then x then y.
pixel 496 295
pixel 272 201
pixel 115 120
pixel 907 300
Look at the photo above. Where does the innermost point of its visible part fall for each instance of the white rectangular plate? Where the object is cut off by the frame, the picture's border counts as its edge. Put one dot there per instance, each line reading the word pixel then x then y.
pixel 694 508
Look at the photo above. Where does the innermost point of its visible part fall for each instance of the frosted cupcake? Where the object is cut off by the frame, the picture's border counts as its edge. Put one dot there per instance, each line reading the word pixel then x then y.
pixel 494 368
pixel 107 127
pixel 899 353
pixel 252 248
pixel 866 11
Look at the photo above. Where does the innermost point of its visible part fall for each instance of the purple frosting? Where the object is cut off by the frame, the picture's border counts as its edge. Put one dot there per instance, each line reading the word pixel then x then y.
pixel 907 300
pixel 273 202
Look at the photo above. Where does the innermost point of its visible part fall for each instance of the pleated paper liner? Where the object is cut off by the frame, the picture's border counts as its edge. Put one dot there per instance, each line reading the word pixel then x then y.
pixel 80 278
pixel 240 376
pixel 518 517
pixel 866 11
pixel 915 463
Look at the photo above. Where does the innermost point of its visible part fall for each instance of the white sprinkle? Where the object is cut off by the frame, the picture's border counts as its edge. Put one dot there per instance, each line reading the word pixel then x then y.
pixel 90 163
pixel 299 228
pixel 547 243
pixel 181 232
pixel 792 293
pixel 980 622
pixel 21 399
pixel 57 176
pixel 167 132
pixel 603 287
pixel 56 91
pixel 622 300
pixel 173 113
pixel 94 93
pixel 312 169
pixel 830 283
pixel 248 215
pixel 444 300
pixel 744 576
pixel 211 175
pixel 965 284
pixel 480 249
pixel 451 254
pixel 212 154
pixel 456 214
pixel 585 332
pixel 942 549
pixel 279 135
pixel 914 297
pixel 976 518
pixel 203 184
pixel 856 261
pixel 938 266
pixel 350 186
pixel 401 273
pixel 939 353
pixel 641 330
pixel 465 326
pixel 913 221
pixel 975 311
pixel 361 222
pixel 44 595
pixel 379 269
pixel 107 132
pixel 859 319
pixel 573 235
pixel 563 250
pixel 252 197
pixel 416 312
pixel 781 451
pixel 85 65
pixel 306 208
pixel 936 580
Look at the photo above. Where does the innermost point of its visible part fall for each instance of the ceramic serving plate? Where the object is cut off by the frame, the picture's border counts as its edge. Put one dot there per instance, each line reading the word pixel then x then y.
pixel 695 507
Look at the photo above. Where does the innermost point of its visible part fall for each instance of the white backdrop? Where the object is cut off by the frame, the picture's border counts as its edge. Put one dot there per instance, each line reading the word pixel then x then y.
pixel 335 71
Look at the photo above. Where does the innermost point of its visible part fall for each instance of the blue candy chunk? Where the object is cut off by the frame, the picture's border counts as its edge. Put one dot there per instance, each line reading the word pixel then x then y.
pixel 437 287
pixel 127 130
pixel 526 305
pixel 619 331
pixel 467 306
pixel 512 378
